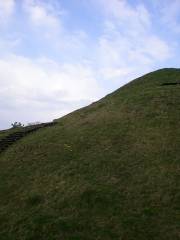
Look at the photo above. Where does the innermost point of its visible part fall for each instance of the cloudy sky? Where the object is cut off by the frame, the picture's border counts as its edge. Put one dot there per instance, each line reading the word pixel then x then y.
pixel 59 55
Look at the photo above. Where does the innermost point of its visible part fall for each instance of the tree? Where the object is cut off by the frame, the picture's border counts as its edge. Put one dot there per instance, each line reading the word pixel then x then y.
pixel 17 125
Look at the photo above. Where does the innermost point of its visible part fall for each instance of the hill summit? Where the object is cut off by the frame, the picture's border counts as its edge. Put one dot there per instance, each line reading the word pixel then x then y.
pixel 107 171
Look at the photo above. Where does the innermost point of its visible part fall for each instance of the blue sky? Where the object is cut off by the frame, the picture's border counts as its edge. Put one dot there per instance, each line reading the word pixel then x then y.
pixel 59 55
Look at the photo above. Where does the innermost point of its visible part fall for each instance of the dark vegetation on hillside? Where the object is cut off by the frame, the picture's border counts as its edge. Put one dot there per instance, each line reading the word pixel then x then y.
pixel 107 171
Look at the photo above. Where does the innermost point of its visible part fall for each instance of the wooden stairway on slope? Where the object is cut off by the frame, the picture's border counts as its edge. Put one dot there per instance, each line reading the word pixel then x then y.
pixel 14 137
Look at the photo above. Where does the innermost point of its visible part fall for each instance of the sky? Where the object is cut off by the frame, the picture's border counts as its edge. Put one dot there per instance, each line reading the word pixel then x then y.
pixel 59 55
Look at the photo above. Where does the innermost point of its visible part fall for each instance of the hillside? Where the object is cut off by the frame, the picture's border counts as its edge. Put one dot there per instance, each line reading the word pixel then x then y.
pixel 107 171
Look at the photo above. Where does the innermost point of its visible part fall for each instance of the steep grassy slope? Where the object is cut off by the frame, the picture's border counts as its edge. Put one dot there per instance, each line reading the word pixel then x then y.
pixel 107 171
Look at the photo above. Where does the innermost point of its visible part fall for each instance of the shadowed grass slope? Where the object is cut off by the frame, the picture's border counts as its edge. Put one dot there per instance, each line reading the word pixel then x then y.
pixel 107 171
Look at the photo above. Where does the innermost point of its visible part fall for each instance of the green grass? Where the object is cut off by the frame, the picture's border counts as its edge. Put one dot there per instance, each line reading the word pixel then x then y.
pixel 107 171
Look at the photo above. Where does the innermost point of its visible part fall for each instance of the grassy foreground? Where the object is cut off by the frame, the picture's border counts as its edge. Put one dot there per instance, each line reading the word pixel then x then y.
pixel 108 171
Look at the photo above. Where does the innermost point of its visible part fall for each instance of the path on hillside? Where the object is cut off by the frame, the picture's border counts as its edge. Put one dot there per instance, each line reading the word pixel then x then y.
pixel 16 136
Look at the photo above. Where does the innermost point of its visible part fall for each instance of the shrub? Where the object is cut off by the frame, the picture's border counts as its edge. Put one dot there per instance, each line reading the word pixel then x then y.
pixel 17 125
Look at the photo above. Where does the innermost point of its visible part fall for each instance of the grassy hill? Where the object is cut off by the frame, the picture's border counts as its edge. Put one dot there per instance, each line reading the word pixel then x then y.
pixel 107 171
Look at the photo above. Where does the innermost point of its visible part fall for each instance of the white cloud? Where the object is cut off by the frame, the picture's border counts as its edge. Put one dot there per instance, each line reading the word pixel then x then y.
pixel 111 73
pixel 121 50
pixel 6 10
pixel 43 14
pixel 129 43
pixel 45 87
pixel 124 13
pixel 46 20
pixel 157 48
